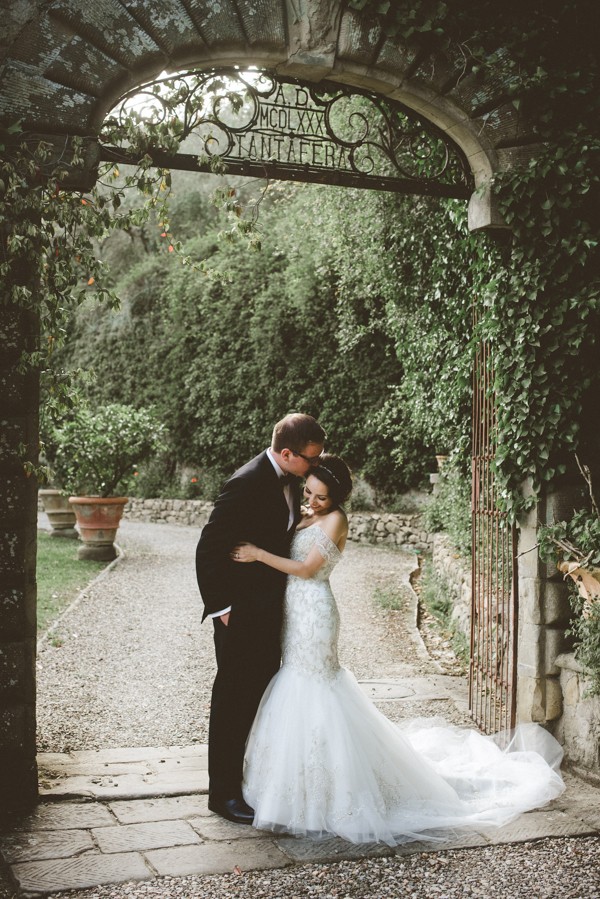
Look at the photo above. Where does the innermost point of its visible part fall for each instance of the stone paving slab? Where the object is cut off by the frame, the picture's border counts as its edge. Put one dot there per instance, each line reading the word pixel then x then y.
pixel 155 835
pixel 125 786
pixel 124 773
pixel 65 816
pixel 456 840
pixel 42 844
pixel 588 813
pixel 70 768
pixel 87 870
pixel 456 688
pixel 383 689
pixel 139 811
pixel 218 858
pixel 421 688
pixel 73 844
pixel 535 826
pixel 133 754
pixel 580 801
pixel 211 827
pixel 305 850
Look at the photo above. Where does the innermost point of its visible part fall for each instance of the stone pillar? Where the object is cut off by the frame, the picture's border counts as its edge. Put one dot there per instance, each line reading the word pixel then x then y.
pixel 544 614
pixel 19 399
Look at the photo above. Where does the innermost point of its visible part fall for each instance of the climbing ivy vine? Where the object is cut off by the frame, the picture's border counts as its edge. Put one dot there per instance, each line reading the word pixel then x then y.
pixel 49 258
pixel 541 308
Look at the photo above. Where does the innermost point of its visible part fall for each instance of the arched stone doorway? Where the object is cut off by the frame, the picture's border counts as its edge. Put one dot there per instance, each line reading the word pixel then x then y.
pixel 63 66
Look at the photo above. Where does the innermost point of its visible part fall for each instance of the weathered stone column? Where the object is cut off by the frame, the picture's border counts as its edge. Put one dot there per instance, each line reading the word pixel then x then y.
pixel 19 399
pixel 544 614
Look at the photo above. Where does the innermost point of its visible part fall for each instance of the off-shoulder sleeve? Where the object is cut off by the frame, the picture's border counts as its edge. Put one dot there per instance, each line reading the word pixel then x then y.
pixel 325 545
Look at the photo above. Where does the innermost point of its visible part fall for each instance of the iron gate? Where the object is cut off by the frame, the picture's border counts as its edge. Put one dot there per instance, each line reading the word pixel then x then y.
pixel 494 605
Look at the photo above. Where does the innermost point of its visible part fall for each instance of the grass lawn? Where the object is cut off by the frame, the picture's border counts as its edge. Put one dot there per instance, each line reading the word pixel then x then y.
pixel 60 576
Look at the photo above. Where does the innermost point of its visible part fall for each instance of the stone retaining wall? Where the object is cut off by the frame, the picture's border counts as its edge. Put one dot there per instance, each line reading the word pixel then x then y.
pixel 578 728
pixel 405 531
pixel 455 571
pixel 193 512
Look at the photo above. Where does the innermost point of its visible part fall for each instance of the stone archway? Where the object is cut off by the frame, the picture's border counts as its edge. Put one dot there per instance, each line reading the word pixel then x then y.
pixel 63 64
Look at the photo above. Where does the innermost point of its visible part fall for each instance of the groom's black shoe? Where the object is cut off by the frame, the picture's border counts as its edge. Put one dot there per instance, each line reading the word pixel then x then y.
pixel 235 810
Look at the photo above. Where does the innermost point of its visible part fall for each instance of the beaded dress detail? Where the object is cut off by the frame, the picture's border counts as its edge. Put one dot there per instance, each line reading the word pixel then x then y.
pixel 322 760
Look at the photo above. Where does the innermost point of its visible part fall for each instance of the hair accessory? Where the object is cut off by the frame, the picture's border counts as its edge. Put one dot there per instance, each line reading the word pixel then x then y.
pixel 329 471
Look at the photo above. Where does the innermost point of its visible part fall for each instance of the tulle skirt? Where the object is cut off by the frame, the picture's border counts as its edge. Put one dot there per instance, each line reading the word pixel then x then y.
pixel 322 760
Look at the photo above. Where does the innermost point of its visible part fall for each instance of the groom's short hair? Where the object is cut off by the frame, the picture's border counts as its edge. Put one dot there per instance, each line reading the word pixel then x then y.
pixel 295 431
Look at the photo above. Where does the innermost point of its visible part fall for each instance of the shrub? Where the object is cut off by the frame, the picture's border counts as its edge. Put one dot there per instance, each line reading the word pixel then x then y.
pixel 450 509
pixel 96 451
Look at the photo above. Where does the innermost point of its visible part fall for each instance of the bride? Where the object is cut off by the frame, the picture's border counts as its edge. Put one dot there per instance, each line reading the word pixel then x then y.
pixel 322 760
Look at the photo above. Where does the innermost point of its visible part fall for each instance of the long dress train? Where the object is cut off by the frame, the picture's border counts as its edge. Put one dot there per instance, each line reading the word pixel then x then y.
pixel 321 759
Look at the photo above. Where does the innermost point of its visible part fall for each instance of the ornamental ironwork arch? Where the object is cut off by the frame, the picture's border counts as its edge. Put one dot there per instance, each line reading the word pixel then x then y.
pixel 260 124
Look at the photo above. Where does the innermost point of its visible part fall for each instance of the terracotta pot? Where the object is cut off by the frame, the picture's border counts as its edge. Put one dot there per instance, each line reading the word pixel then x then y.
pixel 98 520
pixel 59 512
pixel 441 461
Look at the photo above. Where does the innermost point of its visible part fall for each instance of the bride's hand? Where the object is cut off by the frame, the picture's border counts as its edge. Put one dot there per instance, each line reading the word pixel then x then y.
pixel 244 552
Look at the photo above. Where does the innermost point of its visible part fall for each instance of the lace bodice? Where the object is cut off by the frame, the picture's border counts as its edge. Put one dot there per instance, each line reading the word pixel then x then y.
pixel 303 542
pixel 311 619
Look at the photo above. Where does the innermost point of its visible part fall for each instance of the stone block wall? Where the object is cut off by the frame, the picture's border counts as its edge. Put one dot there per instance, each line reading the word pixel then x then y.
pixel 401 531
pixel 19 443
pixel 544 614
pixel 578 728
pixel 191 512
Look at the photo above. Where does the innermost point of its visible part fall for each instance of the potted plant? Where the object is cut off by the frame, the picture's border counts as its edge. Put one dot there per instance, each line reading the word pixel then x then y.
pixel 54 500
pixel 59 511
pixel 96 452
pixel 574 546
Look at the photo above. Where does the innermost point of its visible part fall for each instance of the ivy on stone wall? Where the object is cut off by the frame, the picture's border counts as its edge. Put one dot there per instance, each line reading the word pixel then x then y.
pixel 48 257
pixel 541 310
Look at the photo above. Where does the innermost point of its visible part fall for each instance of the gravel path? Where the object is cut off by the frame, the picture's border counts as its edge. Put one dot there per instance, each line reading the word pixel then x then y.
pixel 130 665
pixel 548 869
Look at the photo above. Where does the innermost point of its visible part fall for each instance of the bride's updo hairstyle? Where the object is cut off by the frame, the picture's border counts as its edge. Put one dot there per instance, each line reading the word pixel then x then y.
pixel 334 472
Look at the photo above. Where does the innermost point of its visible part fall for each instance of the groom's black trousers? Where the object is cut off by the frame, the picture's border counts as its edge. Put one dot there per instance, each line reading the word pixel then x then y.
pixel 248 652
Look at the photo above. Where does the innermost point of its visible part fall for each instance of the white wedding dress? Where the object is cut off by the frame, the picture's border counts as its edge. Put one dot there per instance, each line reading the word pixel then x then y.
pixel 322 760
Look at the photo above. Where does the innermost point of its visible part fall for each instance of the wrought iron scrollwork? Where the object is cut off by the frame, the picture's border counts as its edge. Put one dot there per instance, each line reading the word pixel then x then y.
pixel 260 123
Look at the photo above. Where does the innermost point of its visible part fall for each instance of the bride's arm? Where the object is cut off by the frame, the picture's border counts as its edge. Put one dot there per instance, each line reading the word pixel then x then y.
pixel 247 552
pixel 335 526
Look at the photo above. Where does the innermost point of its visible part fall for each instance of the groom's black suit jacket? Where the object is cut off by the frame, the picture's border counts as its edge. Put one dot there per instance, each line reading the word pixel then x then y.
pixel 251 508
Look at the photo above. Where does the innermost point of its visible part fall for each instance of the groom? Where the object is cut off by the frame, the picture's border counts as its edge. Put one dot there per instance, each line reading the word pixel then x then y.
pixel 259 504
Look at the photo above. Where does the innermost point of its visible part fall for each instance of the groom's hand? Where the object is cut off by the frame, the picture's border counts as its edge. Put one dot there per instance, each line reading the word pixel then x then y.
pixel 225 618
